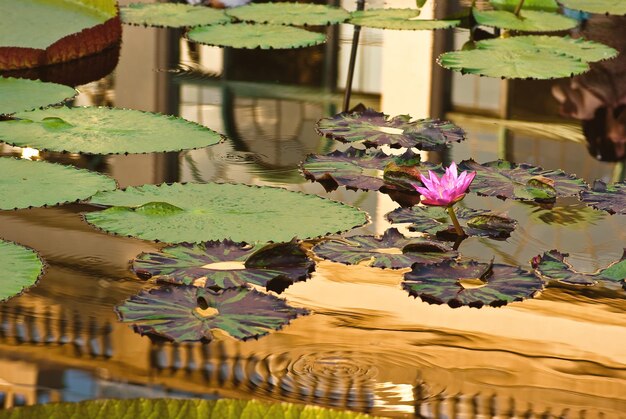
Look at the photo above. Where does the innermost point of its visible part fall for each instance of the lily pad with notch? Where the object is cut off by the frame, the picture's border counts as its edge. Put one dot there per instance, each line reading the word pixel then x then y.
pixel 98 130
pixel 609 7
pixel 17 95
pixel 391 251
pixel 609 198
pixel 172 15
pixel 187 314
pixel 286 13
pixel 398 19
pixel 226 264
pixel 195 213
pixel 375 129
pixel 436 221
pixel 21 269
pixel 471 283
pixel 25 183
pixel 527 21
pixel 523 181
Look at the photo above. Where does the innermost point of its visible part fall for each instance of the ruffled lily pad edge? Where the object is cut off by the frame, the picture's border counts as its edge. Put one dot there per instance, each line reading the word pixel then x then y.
pixel 42 271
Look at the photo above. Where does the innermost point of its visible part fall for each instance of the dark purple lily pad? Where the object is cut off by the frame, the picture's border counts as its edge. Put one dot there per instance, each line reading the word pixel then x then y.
pixel 611 199
pixel 470 283
pixel 392 250
pixel 436 221
pixel 375 129
pixel 360 169
pixel 187 314
pixel 523 181
pixel 552 266
pixel 221 265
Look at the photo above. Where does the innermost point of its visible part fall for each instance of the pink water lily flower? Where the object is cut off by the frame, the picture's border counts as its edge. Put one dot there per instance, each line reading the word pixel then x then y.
pixel 446 191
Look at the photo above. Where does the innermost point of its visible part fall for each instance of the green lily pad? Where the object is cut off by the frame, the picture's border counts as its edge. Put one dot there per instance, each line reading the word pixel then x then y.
pixel 298 14
pixel 252 36
pixel 470 283
pixel 611 199
pixel 222 265
pixel 18 95
pixel 171 15
pixel 609 7
pixel 25 183
pixel 196 213
pixel 399 19
pixel 580 48
pixel 435 220
pixel 375 129
pixel 21 269
pixel 391 251
pixel 552 266
pixel 527 21
pixel 511 5
pixel 523 181
pixel 187 314
pixel 513 64
pixel 104 131
pixel 176 409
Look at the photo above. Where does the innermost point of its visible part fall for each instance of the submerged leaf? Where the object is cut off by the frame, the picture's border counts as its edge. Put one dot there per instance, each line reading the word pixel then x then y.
pixel 470 283
pixel 284 13
pixel 399 19
pixel 222 265
pixel 214 211
pixel 611 199
pixel 104 131
pixel 251 36
pixel 25 183
pixel 171 15
pixel 17 95
pixel 187 314
pixel 375 129
pixel 20 268
pixel 610 7
pixel 527 21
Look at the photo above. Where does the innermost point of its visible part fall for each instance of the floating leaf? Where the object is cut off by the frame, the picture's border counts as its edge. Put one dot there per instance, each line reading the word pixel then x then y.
pixel 609 7
pixel 18 95
pixel 611 199
pixel 435 220
pixel 392 250
pixel 375 129
pixel 552 266
pixel 25 183
pixel 470 283
pixel 523 181
pixel 251 36
pixel 104 131
pixel 511 5
pixel 187 314
pixel 221 265
pixel 171 15
pixel 580 48
pixel 399 19
pixel 20 269
pixel 527 21
pixel 176 409
pixel 212 211
pixel 512 64
pixel 298 14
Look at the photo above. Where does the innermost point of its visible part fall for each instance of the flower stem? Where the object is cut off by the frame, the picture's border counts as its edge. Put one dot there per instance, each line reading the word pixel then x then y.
pixel 457 226
pixel 518 9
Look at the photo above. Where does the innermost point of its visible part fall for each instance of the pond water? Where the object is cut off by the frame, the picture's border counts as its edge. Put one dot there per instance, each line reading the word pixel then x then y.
pixel 368 346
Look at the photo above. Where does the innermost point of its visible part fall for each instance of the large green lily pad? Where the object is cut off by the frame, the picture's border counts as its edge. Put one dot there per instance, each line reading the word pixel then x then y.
pixel 284 13
pixel 222 265
pixel 393 250
pixel 25 183
pixel 171 15
pixel 399 19
pixel 527 21
pixel 523 181
pixel 470 283
pixel 375 129
pixel 252 36
pixel 435 220
pixel 176 409
pixel 18 95
pixel 212 211
pixel 610 7
pixel 511 5
pixel 187 314
pixel 104 131
pixel 20 268
pixel 609 198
